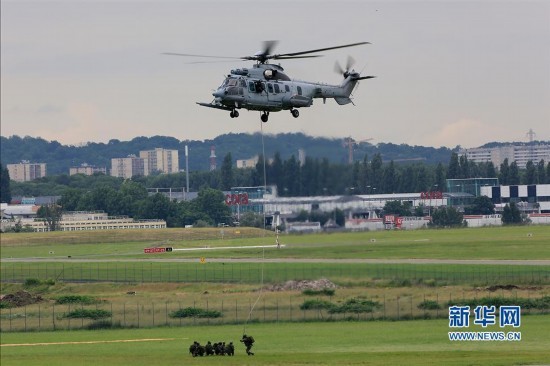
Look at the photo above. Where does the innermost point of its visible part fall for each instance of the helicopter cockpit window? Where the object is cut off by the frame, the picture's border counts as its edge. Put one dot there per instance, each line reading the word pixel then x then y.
pixel 270 88
pixel 251 87
pixel 299 90
pixel 243 83
pixel 230 82
pixel 277 90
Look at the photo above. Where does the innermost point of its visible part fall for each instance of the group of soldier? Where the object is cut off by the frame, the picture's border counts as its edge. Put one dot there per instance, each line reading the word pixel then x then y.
pixel 209 349
pixel 220 348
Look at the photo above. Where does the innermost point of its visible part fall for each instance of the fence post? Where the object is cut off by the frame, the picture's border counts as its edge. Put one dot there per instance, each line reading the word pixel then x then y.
pixel 290 307
pixel 277 310
pixel 397 300
pixel 153 305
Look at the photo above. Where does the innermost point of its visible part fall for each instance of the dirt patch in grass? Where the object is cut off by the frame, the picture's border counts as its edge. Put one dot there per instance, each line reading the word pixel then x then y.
pixel 21 298
pixel 509 288
pixel 302 285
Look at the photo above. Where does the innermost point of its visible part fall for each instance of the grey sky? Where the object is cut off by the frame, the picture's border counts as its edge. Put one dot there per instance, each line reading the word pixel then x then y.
pixel 449 73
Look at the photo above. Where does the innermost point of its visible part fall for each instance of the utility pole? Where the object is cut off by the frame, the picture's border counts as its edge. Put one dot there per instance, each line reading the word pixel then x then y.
pixel 186 171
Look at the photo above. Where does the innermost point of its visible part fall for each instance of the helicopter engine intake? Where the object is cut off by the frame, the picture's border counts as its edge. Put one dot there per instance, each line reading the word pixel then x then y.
pixel 298 101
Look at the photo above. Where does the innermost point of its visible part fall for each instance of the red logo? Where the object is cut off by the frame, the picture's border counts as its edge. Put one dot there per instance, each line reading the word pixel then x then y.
pixel 433 195
pixel 236 199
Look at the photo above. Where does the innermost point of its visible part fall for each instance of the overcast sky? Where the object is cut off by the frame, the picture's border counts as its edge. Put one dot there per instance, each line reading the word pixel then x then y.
pixel 448 73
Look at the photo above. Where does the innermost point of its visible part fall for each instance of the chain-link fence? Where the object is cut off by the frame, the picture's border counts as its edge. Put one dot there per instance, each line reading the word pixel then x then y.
pixel 46 316
pixel 254 272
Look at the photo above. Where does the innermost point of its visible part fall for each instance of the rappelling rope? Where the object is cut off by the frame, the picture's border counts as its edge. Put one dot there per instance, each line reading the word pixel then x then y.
pixel 263 235
pixel 259 294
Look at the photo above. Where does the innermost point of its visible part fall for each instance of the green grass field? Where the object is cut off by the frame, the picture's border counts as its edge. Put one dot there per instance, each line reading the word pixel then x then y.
pixel 64 256
pixel 518 242
pixel 106 257
pixel 343 343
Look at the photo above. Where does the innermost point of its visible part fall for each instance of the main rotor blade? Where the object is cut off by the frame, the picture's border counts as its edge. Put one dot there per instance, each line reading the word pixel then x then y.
pixel 212 62
pixel 206 56
pixel 292 57
pixel 364 77
pixel 319 50
pixel 269 46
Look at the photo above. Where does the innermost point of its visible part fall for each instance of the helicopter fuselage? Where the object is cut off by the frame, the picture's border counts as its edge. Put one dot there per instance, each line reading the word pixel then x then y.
pixel 266 88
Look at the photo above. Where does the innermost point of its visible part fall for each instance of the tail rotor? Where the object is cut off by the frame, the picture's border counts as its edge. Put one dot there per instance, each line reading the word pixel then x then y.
pixel 345 72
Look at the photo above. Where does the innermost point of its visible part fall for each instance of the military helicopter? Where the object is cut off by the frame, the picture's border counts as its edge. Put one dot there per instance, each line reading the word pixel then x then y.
pixel 266 88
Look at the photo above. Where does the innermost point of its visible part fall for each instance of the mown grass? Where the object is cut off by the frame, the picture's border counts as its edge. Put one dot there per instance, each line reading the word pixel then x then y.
pixel 343 343
pixel 253 272
pixel 512 243
pixel 166 286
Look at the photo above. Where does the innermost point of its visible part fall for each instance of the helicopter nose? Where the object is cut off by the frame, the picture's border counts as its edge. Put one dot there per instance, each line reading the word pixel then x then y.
pixel 219 93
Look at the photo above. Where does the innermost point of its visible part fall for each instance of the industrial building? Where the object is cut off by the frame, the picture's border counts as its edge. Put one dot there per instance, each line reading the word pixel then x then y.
pixel 362 210
pixel 25 215
pixel 529 198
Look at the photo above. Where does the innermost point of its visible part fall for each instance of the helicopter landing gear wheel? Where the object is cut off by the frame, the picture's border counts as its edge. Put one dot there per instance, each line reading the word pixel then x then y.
pixel 295 113
pixel 264 117
pixel 234 114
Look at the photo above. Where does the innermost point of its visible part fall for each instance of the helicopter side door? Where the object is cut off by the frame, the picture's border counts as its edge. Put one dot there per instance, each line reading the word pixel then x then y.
pixel 264 96
pixel 256 96
pixel 275 95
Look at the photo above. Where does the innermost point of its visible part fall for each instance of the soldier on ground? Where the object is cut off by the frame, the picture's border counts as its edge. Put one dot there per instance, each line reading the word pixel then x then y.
pixel 196 349
pixel 248 342
pixel 209 349
pixel 230 349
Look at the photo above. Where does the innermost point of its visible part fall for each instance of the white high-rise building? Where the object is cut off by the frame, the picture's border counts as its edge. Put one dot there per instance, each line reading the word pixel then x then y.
pixel 161 160
pixel 128 167
pixel 26 171
pixel 521 154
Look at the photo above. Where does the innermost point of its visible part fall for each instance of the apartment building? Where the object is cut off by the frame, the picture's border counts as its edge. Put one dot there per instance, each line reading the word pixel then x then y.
pixel 87 169
pixel 161 160
pixel 26 171
pixel 128 167
pixel 521 154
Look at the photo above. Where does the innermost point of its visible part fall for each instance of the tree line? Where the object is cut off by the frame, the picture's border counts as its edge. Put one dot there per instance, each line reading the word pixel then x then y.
pixel 311 177
pixel 59 158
